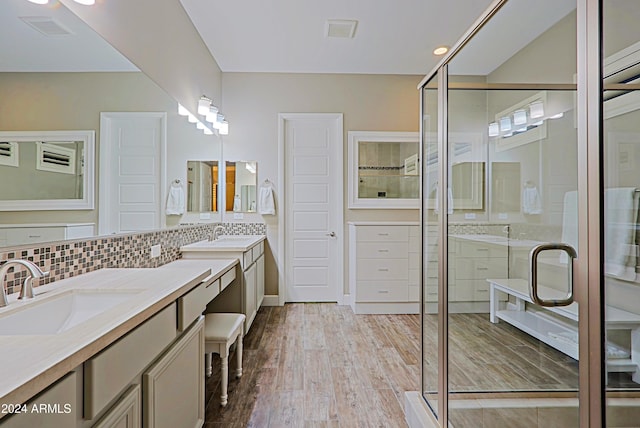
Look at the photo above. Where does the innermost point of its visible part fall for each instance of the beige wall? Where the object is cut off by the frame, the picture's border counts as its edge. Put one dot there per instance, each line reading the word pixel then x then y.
pixel 73 101
pixel 369 103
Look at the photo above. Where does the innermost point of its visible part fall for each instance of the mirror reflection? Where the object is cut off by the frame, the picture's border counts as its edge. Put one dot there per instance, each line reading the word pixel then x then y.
pixel 388 170
pixel 241 182
pixel 202 186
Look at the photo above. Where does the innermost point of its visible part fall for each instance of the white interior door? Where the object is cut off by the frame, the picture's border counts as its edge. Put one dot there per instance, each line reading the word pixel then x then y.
pixel 312 182
pixel 132 156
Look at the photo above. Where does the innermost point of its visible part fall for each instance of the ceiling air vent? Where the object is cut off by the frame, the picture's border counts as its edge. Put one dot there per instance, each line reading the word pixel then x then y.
pixel 342 28
pixel 46 25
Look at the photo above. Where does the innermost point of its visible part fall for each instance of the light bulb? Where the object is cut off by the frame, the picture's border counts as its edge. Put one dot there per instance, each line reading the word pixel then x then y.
pixel 85 2
pixel 203 105
pixel 199 125
pixel 519 117
pixel 191 118
pixel 224 128
pixel 505 124
pixel 212 115
pixel 182 111
pixel 536 109
pixel 39 1
pixel 494 130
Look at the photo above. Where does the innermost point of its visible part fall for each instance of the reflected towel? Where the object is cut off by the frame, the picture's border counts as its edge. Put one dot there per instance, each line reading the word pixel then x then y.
pixel 620 233
pixel 267 203
pixel 569 223
pixel 531 203
pixel 175 200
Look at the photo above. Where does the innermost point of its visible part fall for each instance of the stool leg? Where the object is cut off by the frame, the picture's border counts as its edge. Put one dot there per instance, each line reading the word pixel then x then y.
pixel 224 372
pixel 239 355
pixel 207 363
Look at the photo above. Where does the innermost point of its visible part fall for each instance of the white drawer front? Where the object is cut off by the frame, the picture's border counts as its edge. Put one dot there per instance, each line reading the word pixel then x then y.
pixel 414 293
pixel 414 276
pixel 31 235
pixel 247 259
pixel 257 251
pixel 414 244
pixel 227 278
pixel 383 233
pixel 382 250
pixel 383 269
pixel 480 268
pixel 464 248
pixel 382 291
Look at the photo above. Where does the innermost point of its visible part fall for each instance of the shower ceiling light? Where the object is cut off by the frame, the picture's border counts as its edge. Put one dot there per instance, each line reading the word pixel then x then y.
pixel 441 50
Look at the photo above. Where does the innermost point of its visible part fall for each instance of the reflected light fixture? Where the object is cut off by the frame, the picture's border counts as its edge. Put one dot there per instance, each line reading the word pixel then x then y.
pixel 224 128
pixel 519 117
pixel 200 125
pixel 182 111
pixel 212 114
pixel 251 167
pixel 557 116
pixel 494 129
pixel 204 104
pixel 536 109
pixel 441 50
pixel 39 1
pixel 191 118
pixel 207 131
pixel 505 124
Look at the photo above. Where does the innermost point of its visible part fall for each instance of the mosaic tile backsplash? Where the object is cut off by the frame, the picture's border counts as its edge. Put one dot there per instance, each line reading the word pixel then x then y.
pixel 72 258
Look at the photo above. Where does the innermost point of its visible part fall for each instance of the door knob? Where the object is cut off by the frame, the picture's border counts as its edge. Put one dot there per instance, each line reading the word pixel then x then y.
pixel 332 234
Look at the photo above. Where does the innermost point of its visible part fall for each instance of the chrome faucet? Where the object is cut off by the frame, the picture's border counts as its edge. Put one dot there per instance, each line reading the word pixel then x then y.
pixel 217 231
pixel 27 287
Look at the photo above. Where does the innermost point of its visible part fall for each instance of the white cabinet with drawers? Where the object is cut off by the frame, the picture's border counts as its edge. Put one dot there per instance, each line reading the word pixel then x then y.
pixel 384 267
pixel 23 234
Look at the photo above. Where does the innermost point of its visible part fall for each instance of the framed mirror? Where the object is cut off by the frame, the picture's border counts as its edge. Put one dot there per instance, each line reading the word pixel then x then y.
pixel 202 186
pixel 47 170
pixel 240 186
pixel 384 170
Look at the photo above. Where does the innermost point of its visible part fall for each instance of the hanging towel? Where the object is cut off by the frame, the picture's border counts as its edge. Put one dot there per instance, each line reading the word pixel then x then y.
pixel 531 203
pixel 175 200
pixel 436 206
pixel 620 217
pixel 569 223
pixel 267 203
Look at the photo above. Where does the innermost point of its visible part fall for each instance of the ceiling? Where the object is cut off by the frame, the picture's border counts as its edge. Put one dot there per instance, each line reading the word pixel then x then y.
pixel 23 48
pixel 392 36
pixel 288 36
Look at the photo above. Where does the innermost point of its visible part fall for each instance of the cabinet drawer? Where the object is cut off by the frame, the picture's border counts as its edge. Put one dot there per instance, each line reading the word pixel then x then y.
pixel 110 371
pixel 382 250
pixel 257 251
pixel 247 259
pixel 414 244
pixel 414 293
pixel 31 235
pixel 382 291
pixel 193 304
pixel 227 278
pixel 382 269
pixel 464 248
pixel 383 233
pixel 480 268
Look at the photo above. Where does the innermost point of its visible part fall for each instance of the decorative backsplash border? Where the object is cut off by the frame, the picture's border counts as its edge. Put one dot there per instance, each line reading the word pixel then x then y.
pixel 72 258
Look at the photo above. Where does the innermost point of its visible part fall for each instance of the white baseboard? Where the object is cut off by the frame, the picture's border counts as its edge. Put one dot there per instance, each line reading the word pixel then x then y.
pixel 271 300
pixel 416 412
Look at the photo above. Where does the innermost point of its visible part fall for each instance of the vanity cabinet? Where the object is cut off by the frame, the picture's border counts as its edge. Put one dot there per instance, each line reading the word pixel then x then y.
pixel 384 267
pixel 248 295
pixel 125 413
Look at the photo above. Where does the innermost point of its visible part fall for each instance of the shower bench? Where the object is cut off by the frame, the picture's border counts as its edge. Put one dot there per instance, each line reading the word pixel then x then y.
pixel 558 326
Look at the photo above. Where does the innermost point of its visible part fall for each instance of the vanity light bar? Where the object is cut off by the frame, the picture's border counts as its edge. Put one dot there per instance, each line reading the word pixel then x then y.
pixel 212 115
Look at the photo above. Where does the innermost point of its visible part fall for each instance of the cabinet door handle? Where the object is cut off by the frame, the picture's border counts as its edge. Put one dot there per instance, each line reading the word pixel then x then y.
pixel 331 234
pixel 383 251
pixel 383 270
pixel 482 268
pixel 35 236
pixel 482 249
pixel 383 291
pixel 383 234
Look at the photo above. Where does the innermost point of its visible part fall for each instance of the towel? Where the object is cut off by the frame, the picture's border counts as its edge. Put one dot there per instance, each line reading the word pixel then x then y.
pixel 267 204
pixel 569 223
pixel 620 232
pixel 531 203
pixel 175 200
pixel 436 206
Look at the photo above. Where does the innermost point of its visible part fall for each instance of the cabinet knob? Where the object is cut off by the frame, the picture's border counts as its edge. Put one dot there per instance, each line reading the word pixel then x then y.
pixel 332 234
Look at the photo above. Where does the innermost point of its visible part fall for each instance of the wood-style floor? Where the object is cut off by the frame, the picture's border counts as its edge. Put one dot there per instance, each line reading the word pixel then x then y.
pixel 320 365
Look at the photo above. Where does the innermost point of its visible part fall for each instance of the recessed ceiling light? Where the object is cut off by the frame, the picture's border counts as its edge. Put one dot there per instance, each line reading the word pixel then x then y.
pixel 343 28
pixel 441 50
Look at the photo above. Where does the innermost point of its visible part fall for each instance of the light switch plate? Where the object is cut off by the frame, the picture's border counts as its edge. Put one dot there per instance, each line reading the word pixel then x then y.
pixel 238 216
pixel 205 216
pixel 155 251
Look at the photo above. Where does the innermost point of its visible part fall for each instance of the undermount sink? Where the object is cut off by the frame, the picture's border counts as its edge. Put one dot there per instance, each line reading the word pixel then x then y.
pixel 59 313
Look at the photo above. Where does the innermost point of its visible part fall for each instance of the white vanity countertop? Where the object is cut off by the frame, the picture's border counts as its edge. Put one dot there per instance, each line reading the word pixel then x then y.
pixel 29 363
pixel 225 243
pixel 498 240
pixel 11 226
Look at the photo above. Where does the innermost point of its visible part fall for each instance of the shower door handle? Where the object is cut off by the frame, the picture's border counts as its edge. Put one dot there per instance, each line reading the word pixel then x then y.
pixel 533 275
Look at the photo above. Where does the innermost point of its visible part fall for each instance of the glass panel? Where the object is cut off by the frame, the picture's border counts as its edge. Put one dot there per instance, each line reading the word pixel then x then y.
pixel 202 186
pixel 621 131
pixel 241 182
pixel 430 231
pixel 512 176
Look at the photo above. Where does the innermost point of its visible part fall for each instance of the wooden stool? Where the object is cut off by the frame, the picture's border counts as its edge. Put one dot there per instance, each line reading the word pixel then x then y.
pixel 220 331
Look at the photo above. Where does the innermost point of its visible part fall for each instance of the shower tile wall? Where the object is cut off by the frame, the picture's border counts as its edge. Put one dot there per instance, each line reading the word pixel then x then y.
pixel 380 168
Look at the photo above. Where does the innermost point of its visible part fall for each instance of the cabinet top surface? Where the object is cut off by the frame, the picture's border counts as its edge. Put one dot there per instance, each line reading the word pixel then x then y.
pixel 30 362
pixel 30 225
pixel 225 243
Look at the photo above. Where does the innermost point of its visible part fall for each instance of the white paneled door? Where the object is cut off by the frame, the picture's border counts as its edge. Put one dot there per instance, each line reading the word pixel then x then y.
pixel 132 147
pixel 312 182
